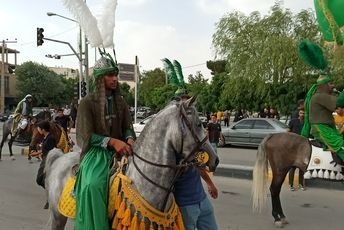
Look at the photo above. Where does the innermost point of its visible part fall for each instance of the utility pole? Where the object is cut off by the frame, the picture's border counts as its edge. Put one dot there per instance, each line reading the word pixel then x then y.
pixel 2 80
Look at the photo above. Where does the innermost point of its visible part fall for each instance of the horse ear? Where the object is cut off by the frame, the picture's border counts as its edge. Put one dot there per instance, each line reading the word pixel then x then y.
pixel 191 101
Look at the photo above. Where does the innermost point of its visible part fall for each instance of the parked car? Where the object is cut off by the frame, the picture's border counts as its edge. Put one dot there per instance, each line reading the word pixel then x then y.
pixel 138 127
pixel 251 131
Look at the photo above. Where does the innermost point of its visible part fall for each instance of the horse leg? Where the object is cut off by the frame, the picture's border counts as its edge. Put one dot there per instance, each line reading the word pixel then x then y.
pixel 275 189
pixel 10 142
pixel 58 221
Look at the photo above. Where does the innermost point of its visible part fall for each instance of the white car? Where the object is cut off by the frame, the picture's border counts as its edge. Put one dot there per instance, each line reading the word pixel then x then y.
pixel 138 127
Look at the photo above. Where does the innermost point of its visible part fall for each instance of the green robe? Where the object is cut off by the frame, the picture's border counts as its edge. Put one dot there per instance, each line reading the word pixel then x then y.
pixel 92 179
pixel 23 108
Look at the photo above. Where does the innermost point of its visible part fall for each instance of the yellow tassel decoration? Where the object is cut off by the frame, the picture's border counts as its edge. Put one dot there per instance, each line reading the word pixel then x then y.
pixel 180 222
pixel 135 223
pixel 121 210
pixel 120 226
pixel 115 222
pixel 175 226
pixel 127 217
pixel 118 201
pixel 142 224
pixel 151 226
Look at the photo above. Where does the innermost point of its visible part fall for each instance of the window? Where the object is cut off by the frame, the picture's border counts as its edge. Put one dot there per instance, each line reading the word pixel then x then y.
pixel 261 124
pixel 246 124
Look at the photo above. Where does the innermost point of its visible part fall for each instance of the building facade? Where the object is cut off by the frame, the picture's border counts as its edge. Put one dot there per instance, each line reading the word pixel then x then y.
pixel 8 90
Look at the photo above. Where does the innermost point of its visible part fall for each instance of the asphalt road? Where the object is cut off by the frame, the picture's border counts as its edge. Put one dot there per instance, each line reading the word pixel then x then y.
pixel 21 202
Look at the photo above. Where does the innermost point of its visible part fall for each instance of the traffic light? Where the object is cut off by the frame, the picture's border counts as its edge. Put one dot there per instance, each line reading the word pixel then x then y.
pixel 40 36
pixel 76 91
pixel 83 89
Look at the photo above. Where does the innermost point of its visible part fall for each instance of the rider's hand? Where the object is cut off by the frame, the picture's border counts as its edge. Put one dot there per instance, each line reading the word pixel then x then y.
pixel 130 141
pixel 120 146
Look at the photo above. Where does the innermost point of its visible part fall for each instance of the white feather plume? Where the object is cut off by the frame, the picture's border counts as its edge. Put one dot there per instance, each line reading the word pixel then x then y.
pixel 106 22
pixel 86 20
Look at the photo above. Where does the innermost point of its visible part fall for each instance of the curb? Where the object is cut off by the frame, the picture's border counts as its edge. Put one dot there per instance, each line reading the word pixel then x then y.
pixel 245 172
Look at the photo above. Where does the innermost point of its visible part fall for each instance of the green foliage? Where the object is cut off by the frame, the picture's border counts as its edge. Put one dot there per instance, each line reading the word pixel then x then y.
pixel 150 80
pixel 127 93
pixel 47 87
pixel 263 66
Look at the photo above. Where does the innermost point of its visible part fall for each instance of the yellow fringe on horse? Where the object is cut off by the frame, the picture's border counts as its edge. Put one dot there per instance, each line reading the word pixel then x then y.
pixel 142 224
pixel 127 217
pixel 122 199
pixel 63 142
pixel 131 197
pixel 135 223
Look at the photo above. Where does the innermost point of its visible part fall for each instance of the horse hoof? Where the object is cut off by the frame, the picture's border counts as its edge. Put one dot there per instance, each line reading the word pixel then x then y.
pixel 30 161
pixel 284 221
pixel 12 158
pixel 278 224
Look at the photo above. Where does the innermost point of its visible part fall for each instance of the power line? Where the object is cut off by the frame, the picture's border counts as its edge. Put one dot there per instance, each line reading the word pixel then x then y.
pixel 190 66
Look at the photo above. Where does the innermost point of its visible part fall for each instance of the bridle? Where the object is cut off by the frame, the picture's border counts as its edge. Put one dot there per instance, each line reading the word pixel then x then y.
pixel 181 166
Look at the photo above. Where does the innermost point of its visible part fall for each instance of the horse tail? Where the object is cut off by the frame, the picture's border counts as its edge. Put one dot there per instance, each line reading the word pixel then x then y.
pixel 259 183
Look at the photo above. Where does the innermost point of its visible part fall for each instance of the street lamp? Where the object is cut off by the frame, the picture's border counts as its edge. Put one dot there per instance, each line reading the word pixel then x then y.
pixel 58 15
pixel 80 47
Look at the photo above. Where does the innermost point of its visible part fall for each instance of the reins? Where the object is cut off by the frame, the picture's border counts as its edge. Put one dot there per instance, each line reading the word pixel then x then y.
pixel 182 165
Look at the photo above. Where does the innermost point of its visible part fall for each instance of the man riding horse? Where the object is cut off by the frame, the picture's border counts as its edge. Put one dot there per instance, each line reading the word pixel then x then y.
pixel 21 118
pixel 320 104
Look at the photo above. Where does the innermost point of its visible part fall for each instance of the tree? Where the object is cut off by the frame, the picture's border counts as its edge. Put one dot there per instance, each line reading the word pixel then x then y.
pixel 262 61
pixel 127 93
pixel 151 80
pixel 45 85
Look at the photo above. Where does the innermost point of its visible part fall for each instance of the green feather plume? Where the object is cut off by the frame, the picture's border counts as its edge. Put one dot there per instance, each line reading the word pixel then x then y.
pixel 179 72
pixel 170 72
pixel 312 55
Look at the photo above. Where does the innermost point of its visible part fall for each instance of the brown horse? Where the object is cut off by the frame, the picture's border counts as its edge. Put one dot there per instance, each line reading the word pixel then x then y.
pixel 7 126
pixel 58 133
pixel 282 151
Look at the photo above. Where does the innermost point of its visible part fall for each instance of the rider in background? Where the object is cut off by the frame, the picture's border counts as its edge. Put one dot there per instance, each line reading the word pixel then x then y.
pixel 319 121
pixel 21 115
pixel 103 128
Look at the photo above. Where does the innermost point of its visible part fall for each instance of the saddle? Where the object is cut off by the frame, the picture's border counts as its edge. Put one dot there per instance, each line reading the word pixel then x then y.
pixel 323 165
pixel 123 199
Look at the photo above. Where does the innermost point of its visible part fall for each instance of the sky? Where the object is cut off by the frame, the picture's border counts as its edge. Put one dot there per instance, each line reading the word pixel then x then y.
pixel 150 29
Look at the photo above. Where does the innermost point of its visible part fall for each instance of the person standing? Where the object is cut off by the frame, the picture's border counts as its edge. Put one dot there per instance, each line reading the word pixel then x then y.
pixel 49 142
pixel 226 118
pixel 21 116
pixel 65 121
pixel 103 128
pixel 295 126
pixel 214 132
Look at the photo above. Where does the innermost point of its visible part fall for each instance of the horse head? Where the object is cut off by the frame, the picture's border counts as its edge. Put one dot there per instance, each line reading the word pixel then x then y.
pixel 194 138
pixel 168 144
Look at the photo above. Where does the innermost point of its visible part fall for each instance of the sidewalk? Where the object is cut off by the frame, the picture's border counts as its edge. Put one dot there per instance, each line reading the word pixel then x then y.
pixel 245 172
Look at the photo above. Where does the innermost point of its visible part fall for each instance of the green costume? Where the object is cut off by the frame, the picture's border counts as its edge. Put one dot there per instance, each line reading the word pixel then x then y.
pixel 23 111
pixel 319 106
pixel 331 19
pixel 93 136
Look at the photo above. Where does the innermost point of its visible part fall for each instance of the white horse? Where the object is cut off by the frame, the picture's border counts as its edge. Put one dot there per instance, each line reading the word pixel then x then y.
pixel 174 131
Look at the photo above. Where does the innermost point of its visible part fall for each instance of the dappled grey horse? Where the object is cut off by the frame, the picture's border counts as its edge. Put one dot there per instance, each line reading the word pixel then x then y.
pixel 174 131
